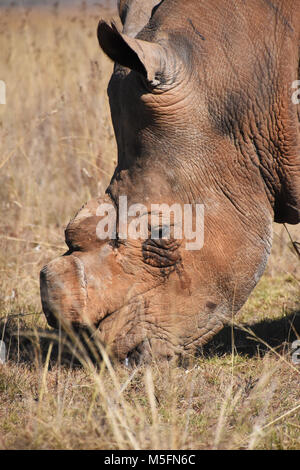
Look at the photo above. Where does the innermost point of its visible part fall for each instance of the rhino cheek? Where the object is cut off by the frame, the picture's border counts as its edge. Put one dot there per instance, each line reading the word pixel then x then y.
pixel 141 329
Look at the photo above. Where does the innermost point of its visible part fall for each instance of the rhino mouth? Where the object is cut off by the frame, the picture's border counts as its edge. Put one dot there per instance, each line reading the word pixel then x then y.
pixel 51 318
pixel 63 290
pixel 74 298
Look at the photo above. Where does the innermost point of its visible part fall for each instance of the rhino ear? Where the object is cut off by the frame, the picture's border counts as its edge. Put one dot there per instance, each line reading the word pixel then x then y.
pixel 123 10
pixel 144 57
pixel 135 14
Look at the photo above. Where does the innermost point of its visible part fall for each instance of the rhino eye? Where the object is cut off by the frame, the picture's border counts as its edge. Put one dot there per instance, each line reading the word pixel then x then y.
pixel 160 233
pixel 161 253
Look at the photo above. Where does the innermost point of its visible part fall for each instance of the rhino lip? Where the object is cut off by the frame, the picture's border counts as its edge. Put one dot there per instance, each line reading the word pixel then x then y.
pixel 55 283
pixel 50 317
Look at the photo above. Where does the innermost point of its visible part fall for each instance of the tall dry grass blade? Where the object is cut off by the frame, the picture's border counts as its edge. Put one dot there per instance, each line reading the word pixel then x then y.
pixel 43 388
pixel 152 400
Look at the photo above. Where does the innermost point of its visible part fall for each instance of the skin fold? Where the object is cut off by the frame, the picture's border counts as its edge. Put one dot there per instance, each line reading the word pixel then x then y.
pixel 201 103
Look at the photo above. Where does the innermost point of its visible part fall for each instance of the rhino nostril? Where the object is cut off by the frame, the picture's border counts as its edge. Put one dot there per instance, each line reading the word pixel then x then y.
pixel 70 242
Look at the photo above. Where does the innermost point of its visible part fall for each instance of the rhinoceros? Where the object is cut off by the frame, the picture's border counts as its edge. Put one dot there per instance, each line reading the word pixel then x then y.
pixel 204 106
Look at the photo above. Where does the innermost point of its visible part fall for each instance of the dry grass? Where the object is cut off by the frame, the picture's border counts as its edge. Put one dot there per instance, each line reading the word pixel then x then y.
pixel 56 151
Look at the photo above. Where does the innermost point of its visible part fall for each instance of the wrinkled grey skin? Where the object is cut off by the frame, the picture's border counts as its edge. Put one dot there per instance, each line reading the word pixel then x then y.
pixel 201 103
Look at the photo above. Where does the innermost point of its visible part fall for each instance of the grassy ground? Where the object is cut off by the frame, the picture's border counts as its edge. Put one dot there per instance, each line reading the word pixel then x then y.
pixel 56 151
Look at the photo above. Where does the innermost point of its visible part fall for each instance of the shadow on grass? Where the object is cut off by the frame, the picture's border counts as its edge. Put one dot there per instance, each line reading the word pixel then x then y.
pixel 256 339
pixel 30 346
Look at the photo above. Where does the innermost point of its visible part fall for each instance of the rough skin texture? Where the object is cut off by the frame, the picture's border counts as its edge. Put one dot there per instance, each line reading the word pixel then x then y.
pixel 201 102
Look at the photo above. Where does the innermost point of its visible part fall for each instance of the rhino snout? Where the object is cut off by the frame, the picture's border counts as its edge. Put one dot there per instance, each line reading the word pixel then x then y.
pixel 64 291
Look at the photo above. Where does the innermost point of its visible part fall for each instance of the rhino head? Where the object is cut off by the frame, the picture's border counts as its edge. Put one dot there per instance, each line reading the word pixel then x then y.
pixel 196 144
